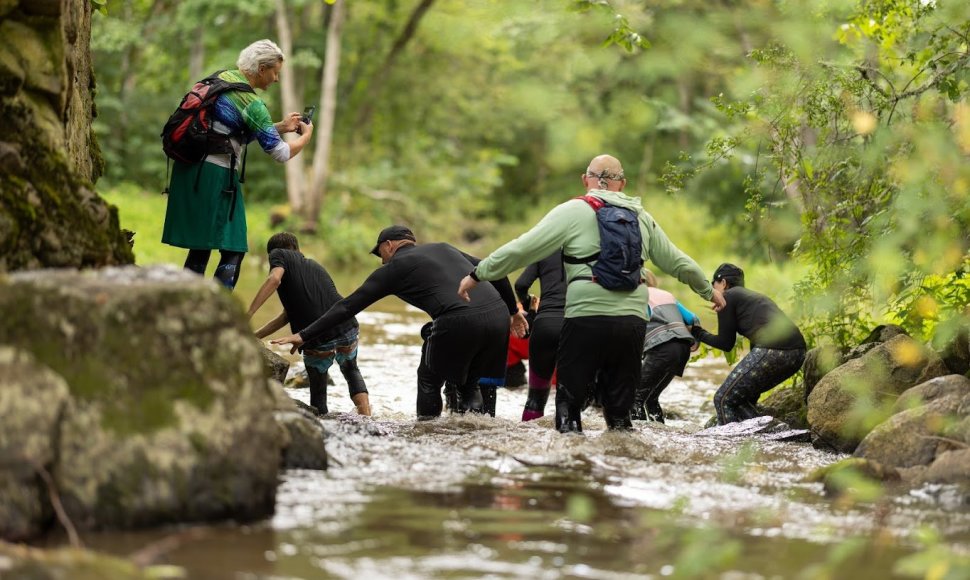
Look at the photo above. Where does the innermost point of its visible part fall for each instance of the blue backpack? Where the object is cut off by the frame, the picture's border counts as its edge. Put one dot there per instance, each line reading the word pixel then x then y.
pixel 619 262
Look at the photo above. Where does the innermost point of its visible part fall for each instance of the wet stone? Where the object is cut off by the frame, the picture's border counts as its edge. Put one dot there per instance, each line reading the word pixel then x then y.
pixel 766 428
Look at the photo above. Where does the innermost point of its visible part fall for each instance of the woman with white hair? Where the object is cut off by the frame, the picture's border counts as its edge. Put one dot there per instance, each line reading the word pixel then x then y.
pixel 206 210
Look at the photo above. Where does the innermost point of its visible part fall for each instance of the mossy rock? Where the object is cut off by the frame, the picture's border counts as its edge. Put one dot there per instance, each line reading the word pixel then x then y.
pixel 24 562
pixel 917 436
pixel 818 362
pixel 853 398
pixel 32 401
pixel 171 415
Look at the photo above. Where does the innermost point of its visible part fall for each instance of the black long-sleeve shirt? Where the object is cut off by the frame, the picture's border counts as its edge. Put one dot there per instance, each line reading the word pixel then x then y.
pixel 755 317
pixel 425 276
pixel 552 281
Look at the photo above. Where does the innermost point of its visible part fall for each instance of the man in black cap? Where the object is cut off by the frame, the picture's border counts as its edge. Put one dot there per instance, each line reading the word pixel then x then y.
pixel 464 341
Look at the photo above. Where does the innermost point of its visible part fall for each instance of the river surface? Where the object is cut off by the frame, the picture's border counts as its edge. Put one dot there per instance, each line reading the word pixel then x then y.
pixel 480 497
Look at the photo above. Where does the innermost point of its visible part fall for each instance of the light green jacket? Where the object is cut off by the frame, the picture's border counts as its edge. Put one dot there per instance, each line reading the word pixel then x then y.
pixel 572 227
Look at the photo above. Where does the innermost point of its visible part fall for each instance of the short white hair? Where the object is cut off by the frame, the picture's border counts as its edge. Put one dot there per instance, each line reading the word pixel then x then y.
pixel 262 53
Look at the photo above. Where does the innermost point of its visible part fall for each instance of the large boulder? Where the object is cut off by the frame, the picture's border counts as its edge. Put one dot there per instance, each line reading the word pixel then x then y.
pixel 931 390
pixel 32 400
pixel 928 442
pixel 915 437
pixel 170 417
pixel 853 398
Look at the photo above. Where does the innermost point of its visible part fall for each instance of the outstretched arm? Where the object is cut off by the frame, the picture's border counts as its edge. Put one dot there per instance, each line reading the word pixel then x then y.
pixel 269 286
pixel 273 325
pixel 727 330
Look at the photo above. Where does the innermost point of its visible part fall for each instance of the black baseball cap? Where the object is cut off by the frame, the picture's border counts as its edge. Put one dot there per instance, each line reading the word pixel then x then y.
pixel 390 233
pixel 733 274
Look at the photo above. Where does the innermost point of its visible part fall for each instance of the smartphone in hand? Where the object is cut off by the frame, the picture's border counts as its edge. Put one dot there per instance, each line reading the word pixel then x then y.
pixel 308 114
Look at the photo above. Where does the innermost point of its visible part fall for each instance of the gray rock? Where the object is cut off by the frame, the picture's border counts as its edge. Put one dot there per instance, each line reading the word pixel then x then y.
pixel 171 416
pixel 303 433
pixel 276 365
pixel 949 467
pixel 869 383
pixel 766 428
pixel 884 333
pixel 931 390
pixel 305 448
pixel 919 435
pixel 32 400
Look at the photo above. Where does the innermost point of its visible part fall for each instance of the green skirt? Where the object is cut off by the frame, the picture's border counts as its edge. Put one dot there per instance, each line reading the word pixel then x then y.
pixel 200 213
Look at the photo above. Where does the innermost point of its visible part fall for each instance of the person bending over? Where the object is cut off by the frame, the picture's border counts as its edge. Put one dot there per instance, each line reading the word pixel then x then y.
pixel 666 350
pixel 307 292
pixel 777 346
pixel 463 342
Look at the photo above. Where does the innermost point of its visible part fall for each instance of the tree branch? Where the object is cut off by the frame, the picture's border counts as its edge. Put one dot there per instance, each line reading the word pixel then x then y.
pixel 377 81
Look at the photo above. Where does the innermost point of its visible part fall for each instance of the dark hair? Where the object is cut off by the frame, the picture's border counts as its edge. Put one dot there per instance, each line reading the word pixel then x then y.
pixel 282 240
pixel 730 273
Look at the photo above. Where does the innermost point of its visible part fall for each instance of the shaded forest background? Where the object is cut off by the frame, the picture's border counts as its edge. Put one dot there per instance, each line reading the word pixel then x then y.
pixel 822 142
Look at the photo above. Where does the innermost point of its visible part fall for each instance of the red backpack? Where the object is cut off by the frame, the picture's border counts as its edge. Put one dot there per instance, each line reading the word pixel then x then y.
pixel 188 136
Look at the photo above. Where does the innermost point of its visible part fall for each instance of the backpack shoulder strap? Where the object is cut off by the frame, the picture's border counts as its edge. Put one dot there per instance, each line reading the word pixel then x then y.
pixel 595 203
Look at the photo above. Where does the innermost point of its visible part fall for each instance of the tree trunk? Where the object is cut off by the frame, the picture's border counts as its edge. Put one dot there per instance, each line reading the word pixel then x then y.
pixel 324 132
pixel 197 56
pixel 49 213
pixel 295 176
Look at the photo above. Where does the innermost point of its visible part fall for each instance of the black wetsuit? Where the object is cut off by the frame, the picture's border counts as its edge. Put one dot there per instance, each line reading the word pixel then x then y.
pixel 465 340
pixel 777 351
pixel 544 337
pixel 307 292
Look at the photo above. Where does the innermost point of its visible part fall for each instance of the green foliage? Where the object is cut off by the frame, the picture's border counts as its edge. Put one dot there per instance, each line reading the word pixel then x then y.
pixel 863 132
pixel 934 560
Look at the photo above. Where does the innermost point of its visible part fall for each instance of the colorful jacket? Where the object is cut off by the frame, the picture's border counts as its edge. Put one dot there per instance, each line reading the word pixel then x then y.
pixel 246 118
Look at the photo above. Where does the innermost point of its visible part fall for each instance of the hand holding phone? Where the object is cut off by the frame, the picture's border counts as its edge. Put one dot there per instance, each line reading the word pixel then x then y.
pixel 308 114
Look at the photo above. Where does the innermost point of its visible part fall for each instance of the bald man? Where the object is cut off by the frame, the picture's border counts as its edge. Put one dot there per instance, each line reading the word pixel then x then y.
pixel 603 330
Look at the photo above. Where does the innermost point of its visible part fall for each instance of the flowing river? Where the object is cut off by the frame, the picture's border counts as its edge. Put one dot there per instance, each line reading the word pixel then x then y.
pixel 473 497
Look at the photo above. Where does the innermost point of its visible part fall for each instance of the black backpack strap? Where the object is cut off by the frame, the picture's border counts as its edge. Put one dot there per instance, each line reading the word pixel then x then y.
pixel 586 260
pixel 168 175
pixel 242 172
pixel 231 189
pixel 198 173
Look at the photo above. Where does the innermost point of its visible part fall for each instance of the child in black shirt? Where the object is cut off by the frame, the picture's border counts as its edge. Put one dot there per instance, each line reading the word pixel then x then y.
pixel 307 292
